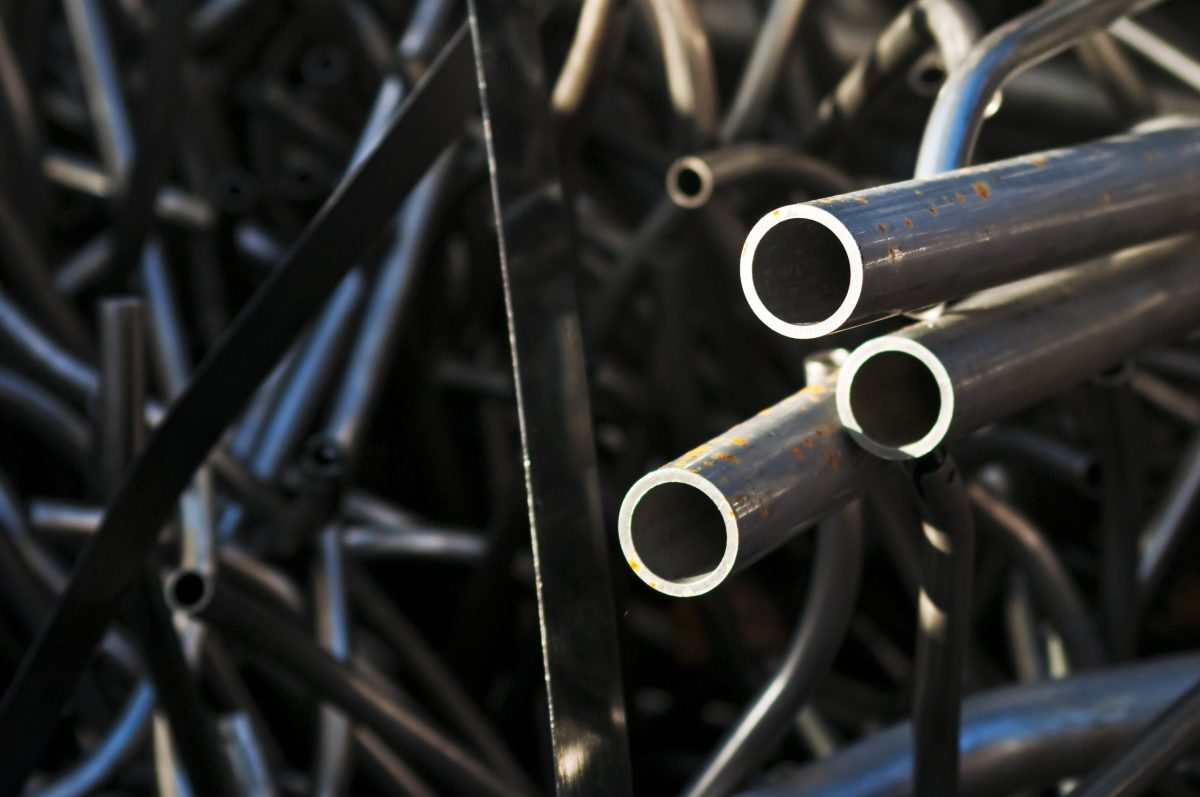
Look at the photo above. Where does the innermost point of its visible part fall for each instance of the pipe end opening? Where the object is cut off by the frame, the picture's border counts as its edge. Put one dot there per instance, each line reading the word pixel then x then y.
pixel 188 591
pixel 689 183
pixel 801 275
pixel 679 539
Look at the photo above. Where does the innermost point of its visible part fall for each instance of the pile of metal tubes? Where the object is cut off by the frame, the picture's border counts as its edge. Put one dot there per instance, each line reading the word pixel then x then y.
pixel 342 346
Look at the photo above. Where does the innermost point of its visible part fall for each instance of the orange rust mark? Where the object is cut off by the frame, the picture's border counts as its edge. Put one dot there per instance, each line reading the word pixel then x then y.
pixel 932 210
pixel 860 200
pixel 960 198
pixel 764 510
pixel 808 442
pixel 813 389
pixel 798 453
pixel 908 222
pixel 1105 199
pixel 882 227
pixel 819 432
pixel 831 459
pixel 634 565
pixel 725 457
pixel 981 188
pixel 892 252
pixel 652 584
pixel 738 441
pixel 1038 161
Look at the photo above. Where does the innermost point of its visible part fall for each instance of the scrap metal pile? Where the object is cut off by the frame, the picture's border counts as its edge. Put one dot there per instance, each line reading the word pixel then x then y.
pixel 342 345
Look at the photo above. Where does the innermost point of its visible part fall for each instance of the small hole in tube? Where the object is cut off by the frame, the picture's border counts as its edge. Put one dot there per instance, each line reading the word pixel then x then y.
pixel 678 532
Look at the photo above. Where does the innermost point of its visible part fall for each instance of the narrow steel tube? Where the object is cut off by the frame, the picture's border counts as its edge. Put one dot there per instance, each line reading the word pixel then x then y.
pixel 824 621
pixel 960 108
pixel 332 768
pixel 419 542
pixel 102 84
pixel 811 269
pixel 1013 738
pixel 693 179
pixel 1158 51
pixel 687 60
pixel 685 527
pixel 1002 350
pixel 251 773
pixel 1171 523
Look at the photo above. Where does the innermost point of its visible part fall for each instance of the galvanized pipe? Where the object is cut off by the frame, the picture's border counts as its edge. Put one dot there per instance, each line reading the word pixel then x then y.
pixel 900 395
pixel 685 527
pixel 814 268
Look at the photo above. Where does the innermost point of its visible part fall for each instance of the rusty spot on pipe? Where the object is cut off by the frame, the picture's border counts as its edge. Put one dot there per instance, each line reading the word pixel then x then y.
pixel 981 188
pixel 831 459
pixel 908 222
pixel 738 441
pixel 1105 199
pixel 932 210
pixel 860 200
pixel 808 442
pixel 1038 161
pixel 798 453
pixel 882 227
pixel 960 198
pixel 725 457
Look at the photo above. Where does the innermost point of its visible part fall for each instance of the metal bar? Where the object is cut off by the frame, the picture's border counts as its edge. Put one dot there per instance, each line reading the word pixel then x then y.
pixel 332 769
pixel 901 395
pixel 813 268
pixel 689 525
pixel 958 114
pixel 115 556
pixel 1014 738
pixel 824 622
pixel 534 226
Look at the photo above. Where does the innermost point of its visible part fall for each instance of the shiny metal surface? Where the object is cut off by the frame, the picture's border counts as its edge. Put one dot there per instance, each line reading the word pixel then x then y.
pixel 686 527
pixel 533 224
pixel 810 269
pixel 958 114
pixel 1006 348
pixel 1017 737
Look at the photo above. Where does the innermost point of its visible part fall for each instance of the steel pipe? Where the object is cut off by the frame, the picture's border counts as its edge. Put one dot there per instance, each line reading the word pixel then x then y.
pixel 902 394
pixel 814 268
pixel 1013 738
pixel 693 179
pixel 685 527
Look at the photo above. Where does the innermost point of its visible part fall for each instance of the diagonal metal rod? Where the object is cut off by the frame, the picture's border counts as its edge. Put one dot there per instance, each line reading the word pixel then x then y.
pixel 116 555
pixel 537 258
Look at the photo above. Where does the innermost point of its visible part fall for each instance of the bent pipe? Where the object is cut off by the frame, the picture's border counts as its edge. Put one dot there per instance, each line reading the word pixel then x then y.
pixel 685 527
pixel 901 395
pixel 811 269
pixel 1014 738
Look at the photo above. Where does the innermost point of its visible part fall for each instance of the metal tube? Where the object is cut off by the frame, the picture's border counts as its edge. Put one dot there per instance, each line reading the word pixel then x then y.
pixel 687 60
pixel 902 394
pixel 332 769
pixel 951 25
pixel 685 527
pixel 251 773
pixel 1015 738
pixel 693 179
pixel 1058 595
pixel 414 542
pixel 960 108
pixel 102 84
pixel 828 609
pixel 1158 51
pixel 1169 526
pixel 810 269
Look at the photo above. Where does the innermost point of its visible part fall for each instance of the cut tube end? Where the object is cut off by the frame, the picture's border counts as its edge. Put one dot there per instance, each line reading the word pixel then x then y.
pixel 188 590
pixel 895 398
pixel 802 271
pixel 690 182
pixel 678 532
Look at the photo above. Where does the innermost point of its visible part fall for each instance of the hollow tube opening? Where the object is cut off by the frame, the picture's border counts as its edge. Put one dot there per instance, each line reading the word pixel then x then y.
pixel 188 591
pixel 689 182
pixel 895 398
pixel 801 271
pixel 678 532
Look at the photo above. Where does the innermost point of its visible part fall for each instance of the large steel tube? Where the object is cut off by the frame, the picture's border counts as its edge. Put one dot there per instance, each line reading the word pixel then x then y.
pixel 685 527
pixel 1000 351
pixel 813 268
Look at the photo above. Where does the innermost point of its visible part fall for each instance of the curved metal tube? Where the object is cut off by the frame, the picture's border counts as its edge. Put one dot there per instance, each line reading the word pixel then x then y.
pixel 597 27
pixel 1061 461
pixel 902 394
pixel 1170 524
pixel 810 269
pixel 828 608
pixel 1056 592
pixel 1014 738
pixel 685 527
pixel 691 78
pixel 693 179
pixel 958 112
pixel 762 71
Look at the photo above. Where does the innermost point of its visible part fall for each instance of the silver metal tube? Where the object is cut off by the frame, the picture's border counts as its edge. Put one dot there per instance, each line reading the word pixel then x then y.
pixel 1158 51
pixel 332 619
pixel 900 395
pixel 811 269
pixel 247 763
pixel 414 542
pixel 1013 738
pixel 687 60
pixel 687 526
pixel 1172 521
pixel 102 84
pixel 961 105
pixel 693 179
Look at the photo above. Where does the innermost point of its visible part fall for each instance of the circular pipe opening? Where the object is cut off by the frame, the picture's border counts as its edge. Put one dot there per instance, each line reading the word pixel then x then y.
pixel 678 533
pixel 896 398
pixel 801 271
pixel 926 76
pixel 188 591
pixel 690 182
